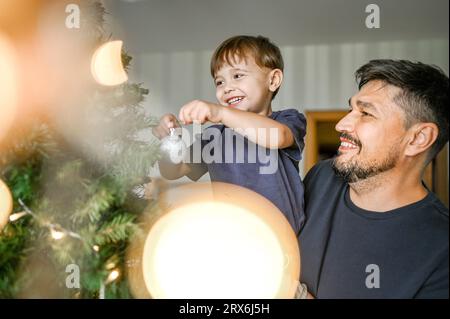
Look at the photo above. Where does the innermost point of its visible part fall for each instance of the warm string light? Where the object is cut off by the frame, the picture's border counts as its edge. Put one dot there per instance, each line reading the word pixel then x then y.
pixel 17 216
pixel 57 232
pixel 113 275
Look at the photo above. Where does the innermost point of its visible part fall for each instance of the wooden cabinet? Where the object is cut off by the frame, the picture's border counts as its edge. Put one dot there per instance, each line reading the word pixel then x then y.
pixel 322 142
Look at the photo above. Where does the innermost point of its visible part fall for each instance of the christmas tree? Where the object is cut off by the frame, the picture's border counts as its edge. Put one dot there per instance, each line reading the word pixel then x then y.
pixel 78 192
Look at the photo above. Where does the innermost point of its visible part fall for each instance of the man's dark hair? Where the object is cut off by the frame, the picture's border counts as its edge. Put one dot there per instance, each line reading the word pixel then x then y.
pixel 424 95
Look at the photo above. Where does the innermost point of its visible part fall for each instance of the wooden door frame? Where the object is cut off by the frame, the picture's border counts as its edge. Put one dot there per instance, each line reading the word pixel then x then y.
pixel 311 144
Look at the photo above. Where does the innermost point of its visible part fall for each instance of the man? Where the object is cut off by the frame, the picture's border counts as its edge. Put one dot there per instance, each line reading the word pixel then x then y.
pixel 372 229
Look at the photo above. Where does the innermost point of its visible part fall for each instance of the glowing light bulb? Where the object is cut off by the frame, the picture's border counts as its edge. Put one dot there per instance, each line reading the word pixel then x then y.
pixel 57 234
pixel 234 244
pixel 113 275
pixel 106 66
pixel 17 216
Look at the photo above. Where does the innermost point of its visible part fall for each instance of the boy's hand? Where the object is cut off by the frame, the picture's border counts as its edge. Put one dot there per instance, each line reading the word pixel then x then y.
pixel 166 122
pixel 200 112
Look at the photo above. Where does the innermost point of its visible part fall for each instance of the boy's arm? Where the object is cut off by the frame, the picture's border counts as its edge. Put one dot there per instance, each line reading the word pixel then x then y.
pixel 245 123
pixel 172 171
pixel 190 169
pixel 248 124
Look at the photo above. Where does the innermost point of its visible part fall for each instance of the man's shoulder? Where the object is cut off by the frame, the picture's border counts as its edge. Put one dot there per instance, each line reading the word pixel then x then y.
pixel 323 169
pixel 438 206
pixel 322 181
pixel 436 214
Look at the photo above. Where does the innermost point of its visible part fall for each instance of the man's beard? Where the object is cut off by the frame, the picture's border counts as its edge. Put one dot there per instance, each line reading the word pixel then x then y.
pixel 355 170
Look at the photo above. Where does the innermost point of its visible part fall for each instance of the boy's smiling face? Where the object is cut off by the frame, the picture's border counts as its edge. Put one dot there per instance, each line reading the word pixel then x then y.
pixel 245 86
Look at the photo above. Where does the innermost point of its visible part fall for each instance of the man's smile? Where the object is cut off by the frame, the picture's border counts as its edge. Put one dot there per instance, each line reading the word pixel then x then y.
pixel 347 144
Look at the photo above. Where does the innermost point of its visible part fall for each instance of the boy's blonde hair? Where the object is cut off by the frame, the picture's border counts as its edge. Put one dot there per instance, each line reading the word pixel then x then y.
pixel 234 49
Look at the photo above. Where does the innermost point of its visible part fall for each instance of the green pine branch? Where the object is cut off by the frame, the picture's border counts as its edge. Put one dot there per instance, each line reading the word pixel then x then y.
pixel 116 230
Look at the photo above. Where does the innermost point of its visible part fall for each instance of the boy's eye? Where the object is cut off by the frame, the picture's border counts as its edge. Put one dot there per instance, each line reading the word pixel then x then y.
pixel 237 76
pixel 219 83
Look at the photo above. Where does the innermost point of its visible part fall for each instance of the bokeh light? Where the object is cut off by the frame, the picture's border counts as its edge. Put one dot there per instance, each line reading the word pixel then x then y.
pixel 6 204
pixel 107 68
pixel 225 243
pixel 8 85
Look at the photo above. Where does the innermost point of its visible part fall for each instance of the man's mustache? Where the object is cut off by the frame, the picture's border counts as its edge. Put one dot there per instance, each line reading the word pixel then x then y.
pixel 351 139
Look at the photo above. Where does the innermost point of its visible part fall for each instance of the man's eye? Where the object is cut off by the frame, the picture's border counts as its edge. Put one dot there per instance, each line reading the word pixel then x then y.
pixel 366 114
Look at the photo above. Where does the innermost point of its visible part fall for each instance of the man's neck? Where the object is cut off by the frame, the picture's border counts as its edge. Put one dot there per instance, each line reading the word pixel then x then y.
pixel 387 191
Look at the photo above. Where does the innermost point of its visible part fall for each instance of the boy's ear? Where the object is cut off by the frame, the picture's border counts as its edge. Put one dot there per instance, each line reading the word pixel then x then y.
pixel 275 79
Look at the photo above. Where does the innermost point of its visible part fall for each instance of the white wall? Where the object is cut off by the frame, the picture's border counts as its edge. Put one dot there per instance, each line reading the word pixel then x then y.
pixel 316 76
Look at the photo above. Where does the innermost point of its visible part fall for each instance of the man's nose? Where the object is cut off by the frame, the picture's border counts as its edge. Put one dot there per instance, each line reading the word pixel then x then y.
pixel 346 124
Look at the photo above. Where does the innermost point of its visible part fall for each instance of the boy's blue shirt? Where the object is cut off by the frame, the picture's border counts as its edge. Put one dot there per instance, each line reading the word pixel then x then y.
pixel 283 187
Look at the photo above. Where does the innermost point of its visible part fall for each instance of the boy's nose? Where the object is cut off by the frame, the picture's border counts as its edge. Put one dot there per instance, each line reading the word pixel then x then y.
pixel 228 90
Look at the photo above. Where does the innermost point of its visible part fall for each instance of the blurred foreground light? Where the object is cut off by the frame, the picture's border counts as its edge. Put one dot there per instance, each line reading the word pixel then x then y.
pixel 57 234
pixel 8 85
pixel 17 216
pixel 229 243
pixel 113 275
pixel 6 204
pixel 106 66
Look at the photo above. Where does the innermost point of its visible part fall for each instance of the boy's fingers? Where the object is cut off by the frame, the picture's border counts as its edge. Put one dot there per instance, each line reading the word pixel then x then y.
pixel 202 117
pixel 157 132
pixel 188 118
pixel 166 130
pixel 170 124
pixel 169 120
pixel 195 114
pixel 180 115
pixel 185 116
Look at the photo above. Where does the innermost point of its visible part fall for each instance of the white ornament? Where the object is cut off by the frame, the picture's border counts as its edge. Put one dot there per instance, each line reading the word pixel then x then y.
pixel 173 148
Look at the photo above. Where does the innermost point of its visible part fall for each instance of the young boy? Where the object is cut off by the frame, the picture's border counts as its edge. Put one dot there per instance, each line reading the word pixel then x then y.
pixel 248 72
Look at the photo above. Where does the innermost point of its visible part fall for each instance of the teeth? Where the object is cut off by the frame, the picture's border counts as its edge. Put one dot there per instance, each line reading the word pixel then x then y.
pixel 235 100
pixel 348 145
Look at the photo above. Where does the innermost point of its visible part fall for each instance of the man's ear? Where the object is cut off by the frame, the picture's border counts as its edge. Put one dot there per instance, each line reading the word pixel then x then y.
pixel 423 136
pixel 275 79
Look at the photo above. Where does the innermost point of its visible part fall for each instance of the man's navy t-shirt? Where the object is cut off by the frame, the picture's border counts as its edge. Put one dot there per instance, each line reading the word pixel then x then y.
pixel 274 175
pixel 348 252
